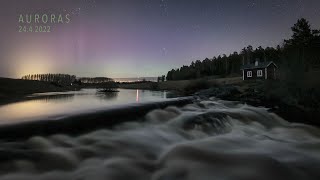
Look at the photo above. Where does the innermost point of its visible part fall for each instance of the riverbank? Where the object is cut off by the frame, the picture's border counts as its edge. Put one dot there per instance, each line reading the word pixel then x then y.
pixel 278 96
pixel 12 90
pixel 17 89
pixel 181 86
pixel 274 95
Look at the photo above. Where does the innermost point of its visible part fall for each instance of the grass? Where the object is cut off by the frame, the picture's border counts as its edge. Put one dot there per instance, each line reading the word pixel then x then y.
pixel 194 86
pixel 182 85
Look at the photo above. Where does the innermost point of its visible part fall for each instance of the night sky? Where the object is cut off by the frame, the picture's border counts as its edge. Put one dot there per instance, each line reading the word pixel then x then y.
pixel 132 38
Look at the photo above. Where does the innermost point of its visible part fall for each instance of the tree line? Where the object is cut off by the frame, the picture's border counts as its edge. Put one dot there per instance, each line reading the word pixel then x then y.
pixel 95 80
pixel 57 78
pixel 300 51
pixel 66 79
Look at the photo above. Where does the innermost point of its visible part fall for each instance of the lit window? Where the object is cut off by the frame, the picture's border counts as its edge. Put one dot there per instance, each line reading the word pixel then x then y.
pixel 249 73
pixel 259 73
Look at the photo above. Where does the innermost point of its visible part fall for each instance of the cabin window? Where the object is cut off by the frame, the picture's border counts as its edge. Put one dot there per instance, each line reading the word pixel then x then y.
pixel 259 73
pixel 249 73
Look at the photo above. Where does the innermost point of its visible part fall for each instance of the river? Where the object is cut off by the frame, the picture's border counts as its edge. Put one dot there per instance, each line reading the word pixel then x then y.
pixel 207 139
pixel 58 104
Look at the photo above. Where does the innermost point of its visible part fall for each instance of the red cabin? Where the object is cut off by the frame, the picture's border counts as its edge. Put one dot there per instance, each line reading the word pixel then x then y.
pixel 259 70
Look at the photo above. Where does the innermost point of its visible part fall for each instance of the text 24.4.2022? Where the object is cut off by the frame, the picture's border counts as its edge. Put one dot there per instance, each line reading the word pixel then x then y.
pixel 34 29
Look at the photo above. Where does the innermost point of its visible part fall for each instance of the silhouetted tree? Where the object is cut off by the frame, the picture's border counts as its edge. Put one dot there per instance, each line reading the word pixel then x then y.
pixel 302 34
pixel 64 79
pixel 163 77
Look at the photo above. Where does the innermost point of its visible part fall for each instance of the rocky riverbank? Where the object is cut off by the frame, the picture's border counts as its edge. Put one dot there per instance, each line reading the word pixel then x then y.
pixel 256 95
pixel 293 103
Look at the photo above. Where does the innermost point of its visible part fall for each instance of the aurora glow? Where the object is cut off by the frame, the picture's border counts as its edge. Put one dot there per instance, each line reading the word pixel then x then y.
pixel 132 38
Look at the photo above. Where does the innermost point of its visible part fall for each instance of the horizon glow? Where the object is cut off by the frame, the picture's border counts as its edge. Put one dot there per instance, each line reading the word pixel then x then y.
pixel 140 38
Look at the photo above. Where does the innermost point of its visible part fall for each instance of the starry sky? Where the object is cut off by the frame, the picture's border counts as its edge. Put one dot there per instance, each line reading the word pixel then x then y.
pixel 134 38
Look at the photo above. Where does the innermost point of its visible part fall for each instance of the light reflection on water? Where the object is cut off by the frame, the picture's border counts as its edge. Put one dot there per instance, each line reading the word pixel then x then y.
pixel 55 104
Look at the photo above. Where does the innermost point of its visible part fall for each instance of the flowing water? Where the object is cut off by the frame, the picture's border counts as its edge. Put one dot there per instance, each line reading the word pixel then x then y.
pixel 211 139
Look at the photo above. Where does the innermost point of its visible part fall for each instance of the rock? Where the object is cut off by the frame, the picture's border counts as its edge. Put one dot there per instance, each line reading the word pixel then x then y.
pixel 223 92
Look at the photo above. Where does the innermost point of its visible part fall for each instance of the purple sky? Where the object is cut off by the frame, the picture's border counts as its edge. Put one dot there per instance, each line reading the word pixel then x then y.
pixel 132 38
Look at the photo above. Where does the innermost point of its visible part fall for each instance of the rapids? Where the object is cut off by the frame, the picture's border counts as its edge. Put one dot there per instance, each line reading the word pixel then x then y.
pixel 210 139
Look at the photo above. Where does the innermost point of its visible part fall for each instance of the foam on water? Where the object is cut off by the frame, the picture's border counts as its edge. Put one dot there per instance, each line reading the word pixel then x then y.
pixel 211 139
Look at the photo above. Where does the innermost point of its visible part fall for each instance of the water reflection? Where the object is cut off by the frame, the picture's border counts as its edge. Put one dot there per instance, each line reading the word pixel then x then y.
pixel 55 104
pixel 137 96
pixel 107 95
pixel 54 98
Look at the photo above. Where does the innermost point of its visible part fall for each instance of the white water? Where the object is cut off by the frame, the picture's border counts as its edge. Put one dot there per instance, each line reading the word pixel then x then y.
pixel 206 140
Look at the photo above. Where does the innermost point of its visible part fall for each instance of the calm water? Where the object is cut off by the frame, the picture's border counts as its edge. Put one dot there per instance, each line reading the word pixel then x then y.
pixel 48 105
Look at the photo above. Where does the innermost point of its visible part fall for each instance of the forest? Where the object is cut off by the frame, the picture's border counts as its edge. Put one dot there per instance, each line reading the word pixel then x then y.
pixel 66 79
pixel 297 55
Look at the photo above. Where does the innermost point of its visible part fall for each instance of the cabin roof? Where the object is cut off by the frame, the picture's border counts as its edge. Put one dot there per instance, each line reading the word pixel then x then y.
pixel 260 65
